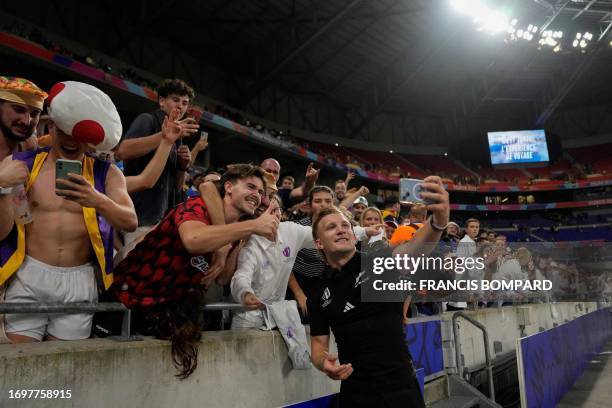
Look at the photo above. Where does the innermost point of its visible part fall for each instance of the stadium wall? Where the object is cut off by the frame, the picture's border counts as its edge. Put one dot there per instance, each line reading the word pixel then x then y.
pixel 249 368
pixel 546 378
pixel 504 326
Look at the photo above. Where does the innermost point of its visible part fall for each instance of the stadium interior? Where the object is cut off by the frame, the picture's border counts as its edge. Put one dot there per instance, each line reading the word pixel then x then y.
pixel 386 89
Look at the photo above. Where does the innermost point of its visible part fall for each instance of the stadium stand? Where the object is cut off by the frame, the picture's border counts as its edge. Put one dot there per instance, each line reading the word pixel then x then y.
pixel 598 158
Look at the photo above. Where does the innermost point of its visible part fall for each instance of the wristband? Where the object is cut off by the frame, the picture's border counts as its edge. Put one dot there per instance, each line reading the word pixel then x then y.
pixel 437 227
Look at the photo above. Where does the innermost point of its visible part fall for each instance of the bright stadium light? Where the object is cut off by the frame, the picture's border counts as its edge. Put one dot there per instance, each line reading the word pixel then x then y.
pixel 336 144
pixel 486 19
pixel 582 39
pixel 391 151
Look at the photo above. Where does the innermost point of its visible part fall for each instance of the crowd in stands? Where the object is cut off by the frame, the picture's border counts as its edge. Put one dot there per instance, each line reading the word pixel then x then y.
pixel 385 164
pixel 166 237
pixel 34 34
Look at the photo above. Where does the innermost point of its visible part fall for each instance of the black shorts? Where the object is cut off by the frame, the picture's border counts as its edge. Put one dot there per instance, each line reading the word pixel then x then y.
pixel 388 392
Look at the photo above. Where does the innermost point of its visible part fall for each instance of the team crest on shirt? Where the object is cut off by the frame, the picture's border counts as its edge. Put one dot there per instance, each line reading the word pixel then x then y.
pixel 360 278
pixel 326 298
pixel 287 252
pixel 199 262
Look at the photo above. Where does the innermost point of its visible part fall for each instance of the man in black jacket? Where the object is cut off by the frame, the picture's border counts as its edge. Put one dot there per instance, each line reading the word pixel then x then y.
pixel 376 367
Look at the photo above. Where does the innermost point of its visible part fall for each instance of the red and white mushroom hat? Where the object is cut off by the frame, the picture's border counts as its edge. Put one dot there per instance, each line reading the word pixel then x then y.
pixel 86 113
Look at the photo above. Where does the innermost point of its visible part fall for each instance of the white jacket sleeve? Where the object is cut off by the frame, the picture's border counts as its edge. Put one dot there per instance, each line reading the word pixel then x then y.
pixel 360 233
pixel 303 236
pixel 248 263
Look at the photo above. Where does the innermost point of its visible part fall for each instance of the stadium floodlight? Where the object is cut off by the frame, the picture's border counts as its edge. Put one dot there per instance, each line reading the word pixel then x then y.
pixel 446 154
pixel 391 151
pixel 336 144
pixel 582 39
pixel 487 20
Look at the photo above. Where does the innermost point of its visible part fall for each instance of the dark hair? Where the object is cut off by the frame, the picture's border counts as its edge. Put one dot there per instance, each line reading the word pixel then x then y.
pixel 240 171
pixel 181 322
pixel 320 189
pixel 174 86
pixel 339 181
pixel 467 223
pixel 324 213
pixel 289 178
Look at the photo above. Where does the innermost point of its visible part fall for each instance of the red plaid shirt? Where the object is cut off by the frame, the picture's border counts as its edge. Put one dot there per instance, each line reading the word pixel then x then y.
pixel 160 269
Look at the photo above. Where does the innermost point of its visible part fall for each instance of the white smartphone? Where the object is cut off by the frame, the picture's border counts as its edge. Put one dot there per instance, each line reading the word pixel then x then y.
pixel 410 192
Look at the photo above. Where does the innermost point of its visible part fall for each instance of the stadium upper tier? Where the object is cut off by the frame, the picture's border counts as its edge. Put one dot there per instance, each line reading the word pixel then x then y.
pixel 598 157
pixel 592 166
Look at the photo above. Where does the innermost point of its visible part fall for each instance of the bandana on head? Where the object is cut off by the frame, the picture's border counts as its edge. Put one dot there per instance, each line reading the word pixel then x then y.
pixel 86 113
pixel 21 91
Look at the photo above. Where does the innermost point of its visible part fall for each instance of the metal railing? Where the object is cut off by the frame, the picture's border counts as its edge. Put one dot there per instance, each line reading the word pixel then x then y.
pixel 102 307
pixel 485 336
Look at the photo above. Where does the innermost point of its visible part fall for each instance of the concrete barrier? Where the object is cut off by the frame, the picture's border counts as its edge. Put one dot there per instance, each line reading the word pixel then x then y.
pixel 248 368
pixel 504 326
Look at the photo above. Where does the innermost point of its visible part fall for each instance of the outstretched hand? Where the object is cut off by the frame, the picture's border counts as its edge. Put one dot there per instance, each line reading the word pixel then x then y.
pixel 374 229
pixel 171 128
pixel 334 370
pixel 312 175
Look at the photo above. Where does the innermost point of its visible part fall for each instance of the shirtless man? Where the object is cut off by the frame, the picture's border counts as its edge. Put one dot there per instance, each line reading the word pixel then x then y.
pixel 51 258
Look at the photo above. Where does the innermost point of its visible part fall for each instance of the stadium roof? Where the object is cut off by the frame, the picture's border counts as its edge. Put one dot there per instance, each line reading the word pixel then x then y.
pixel 395 56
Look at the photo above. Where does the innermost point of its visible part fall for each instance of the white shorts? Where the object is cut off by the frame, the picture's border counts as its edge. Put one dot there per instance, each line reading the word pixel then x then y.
pixel 41 283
